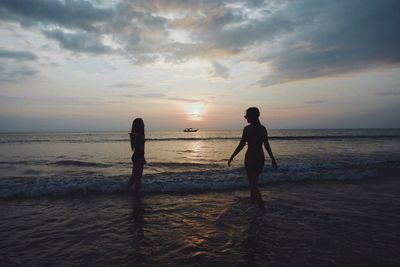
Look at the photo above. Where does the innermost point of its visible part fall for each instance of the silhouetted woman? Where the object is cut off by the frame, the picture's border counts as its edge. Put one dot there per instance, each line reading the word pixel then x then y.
pixel 255 135
pixel 137 145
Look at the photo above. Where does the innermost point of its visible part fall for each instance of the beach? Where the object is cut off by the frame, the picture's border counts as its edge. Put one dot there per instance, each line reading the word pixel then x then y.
pixel 142 133
pixel 334 200
pixel 305 224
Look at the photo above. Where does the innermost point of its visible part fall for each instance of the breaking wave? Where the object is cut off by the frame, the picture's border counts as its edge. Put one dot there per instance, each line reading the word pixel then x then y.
pixel 188 182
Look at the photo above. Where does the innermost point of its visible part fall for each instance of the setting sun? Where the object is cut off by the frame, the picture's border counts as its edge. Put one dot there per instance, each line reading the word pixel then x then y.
pixel 195 111
pixel 195 114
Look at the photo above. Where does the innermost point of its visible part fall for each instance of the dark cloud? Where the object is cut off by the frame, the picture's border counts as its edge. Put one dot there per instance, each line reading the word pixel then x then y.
pixel 84 21
pixel 17 55
pixel 241 31
pixel 78 42
pixel 343 36
pixel 298 39
pixel 69 13
pixel 16 73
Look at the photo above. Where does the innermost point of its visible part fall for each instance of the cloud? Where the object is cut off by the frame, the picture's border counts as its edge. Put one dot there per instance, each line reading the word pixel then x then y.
pixel 52 100
pixel 160 96
pixel 314 102
pixel 237 29
pixel 14 65
pixel 17 55
pixel 70 13
pixel 180 99
pixel 297 39
pixel 363 38
pixel 144 95
pixel 78 42
pixel 127 85
pixel 219 70
pixel 388 93
pixel 15 73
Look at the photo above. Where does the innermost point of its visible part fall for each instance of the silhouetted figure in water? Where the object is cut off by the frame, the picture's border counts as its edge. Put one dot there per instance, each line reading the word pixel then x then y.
pixel 137 211
pixel 137 145
pixel 254 135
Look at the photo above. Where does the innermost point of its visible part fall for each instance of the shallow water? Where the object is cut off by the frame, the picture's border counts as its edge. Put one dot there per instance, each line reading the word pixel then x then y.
pixel 38 164
pixel 333 201
pixel 305 224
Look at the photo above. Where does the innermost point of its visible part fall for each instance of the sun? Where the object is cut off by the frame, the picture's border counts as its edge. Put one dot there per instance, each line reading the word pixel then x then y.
pixel 195 111
pixel 195 114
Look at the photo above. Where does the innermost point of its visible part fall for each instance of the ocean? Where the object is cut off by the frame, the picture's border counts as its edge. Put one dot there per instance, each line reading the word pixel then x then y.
pixel 334 200
pixel 40 164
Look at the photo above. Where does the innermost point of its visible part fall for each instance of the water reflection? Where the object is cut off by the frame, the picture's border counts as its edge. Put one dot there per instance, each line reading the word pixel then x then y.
pixel 136 224
pixel 137 211
pixel 196 150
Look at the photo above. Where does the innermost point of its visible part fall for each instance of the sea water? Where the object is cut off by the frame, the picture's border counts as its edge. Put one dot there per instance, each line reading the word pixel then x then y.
pixel 40 164
pixel 333 201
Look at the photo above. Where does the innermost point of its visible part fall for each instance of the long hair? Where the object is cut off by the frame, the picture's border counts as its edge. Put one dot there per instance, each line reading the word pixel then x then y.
pixel 252 114
pixel 137 130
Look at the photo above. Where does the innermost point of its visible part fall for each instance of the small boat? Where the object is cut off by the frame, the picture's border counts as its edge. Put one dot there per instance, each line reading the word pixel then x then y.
pixel 190 130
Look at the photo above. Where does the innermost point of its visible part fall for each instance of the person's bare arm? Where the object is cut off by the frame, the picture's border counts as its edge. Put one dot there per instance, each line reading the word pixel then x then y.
pixel 269 150
pixel 239 147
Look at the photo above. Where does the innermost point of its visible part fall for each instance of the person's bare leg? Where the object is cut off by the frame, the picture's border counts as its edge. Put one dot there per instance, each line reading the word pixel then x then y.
pixel 131 181
pixel 134 178
pixel 252 197
pixel 137 178
pixel 136 183
pixel 251 184
pixel 255 192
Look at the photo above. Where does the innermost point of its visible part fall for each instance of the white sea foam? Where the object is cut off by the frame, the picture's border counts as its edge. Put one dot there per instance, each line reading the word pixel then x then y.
pixel 184 182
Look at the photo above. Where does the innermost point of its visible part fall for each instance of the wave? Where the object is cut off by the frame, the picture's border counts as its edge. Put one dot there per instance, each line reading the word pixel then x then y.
pixel 215 138
pixel 184 165
pixel 300 137
pixel 107 139
pixel 73 163
pixel 78 163
pixel 189 182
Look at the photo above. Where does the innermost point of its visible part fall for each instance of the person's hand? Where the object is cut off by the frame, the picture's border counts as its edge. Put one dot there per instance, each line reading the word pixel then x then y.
pixel 229 162
pixel 274 165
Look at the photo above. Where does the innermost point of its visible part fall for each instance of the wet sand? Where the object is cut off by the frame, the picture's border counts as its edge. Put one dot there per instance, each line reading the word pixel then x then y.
pixel 327 223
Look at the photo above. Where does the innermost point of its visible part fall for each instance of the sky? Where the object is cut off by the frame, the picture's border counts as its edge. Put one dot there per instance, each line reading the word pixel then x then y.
pixel 96 65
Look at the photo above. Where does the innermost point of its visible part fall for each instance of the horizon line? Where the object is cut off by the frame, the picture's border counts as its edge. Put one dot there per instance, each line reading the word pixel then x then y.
pixel 205 130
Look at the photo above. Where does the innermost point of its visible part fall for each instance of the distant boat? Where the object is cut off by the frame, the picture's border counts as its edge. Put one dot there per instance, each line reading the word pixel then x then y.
pixel 190 130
